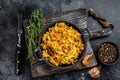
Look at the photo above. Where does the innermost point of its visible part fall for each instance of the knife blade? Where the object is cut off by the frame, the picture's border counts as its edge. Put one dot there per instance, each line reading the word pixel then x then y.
pixel 18 50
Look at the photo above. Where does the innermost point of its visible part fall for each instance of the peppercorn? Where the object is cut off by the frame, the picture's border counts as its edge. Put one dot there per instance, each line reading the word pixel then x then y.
pixel 108 52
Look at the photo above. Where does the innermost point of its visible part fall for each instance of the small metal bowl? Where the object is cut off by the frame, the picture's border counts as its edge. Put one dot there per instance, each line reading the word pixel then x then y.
pixel 108 53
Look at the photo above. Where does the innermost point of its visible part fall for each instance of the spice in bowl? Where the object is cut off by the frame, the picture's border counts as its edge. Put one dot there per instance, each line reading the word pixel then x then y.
pixel 108 53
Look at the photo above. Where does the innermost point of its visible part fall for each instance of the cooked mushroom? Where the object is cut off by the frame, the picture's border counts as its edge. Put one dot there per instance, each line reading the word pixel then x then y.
pixel 87 59
pixel 95 72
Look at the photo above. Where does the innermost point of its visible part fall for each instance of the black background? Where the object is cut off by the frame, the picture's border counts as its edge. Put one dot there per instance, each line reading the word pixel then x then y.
pixel 8 39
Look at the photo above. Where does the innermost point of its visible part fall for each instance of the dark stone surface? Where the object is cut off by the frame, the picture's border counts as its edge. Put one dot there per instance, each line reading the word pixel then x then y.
pixel 8 25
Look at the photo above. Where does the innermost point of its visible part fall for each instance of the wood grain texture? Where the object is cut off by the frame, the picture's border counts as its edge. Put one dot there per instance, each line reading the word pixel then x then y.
pixel 77 17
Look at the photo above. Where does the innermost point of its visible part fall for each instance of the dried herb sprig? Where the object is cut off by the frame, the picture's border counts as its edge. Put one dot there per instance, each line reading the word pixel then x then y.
pixel 34 29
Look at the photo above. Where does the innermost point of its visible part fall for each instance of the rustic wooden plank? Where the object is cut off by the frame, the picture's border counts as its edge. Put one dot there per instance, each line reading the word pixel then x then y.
pixel 77 17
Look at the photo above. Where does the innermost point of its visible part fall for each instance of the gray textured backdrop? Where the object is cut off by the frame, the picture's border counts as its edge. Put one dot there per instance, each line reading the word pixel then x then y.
pixel 8 25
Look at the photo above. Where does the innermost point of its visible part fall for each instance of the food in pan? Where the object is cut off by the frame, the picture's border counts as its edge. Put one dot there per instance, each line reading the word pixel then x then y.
pixel 108 53
pixel 87 59
pixel 62 44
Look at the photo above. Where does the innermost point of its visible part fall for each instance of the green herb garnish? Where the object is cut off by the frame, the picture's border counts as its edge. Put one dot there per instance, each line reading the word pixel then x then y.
pixel 34 29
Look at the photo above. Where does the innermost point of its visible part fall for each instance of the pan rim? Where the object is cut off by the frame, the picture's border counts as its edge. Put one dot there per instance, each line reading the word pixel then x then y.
pixel 76 28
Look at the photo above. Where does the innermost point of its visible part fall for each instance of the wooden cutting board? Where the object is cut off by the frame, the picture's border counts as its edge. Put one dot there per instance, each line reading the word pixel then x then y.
pixel 77 17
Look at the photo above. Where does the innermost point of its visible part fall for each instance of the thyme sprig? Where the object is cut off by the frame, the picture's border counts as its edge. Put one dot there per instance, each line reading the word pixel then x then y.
pixel 34 29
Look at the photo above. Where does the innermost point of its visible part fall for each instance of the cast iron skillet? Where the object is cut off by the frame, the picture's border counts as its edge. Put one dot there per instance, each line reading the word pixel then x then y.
pixel 86 35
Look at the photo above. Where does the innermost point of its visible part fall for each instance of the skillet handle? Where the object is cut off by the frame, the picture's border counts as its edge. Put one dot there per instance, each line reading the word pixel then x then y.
pixel 37 54
pixel 101 33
